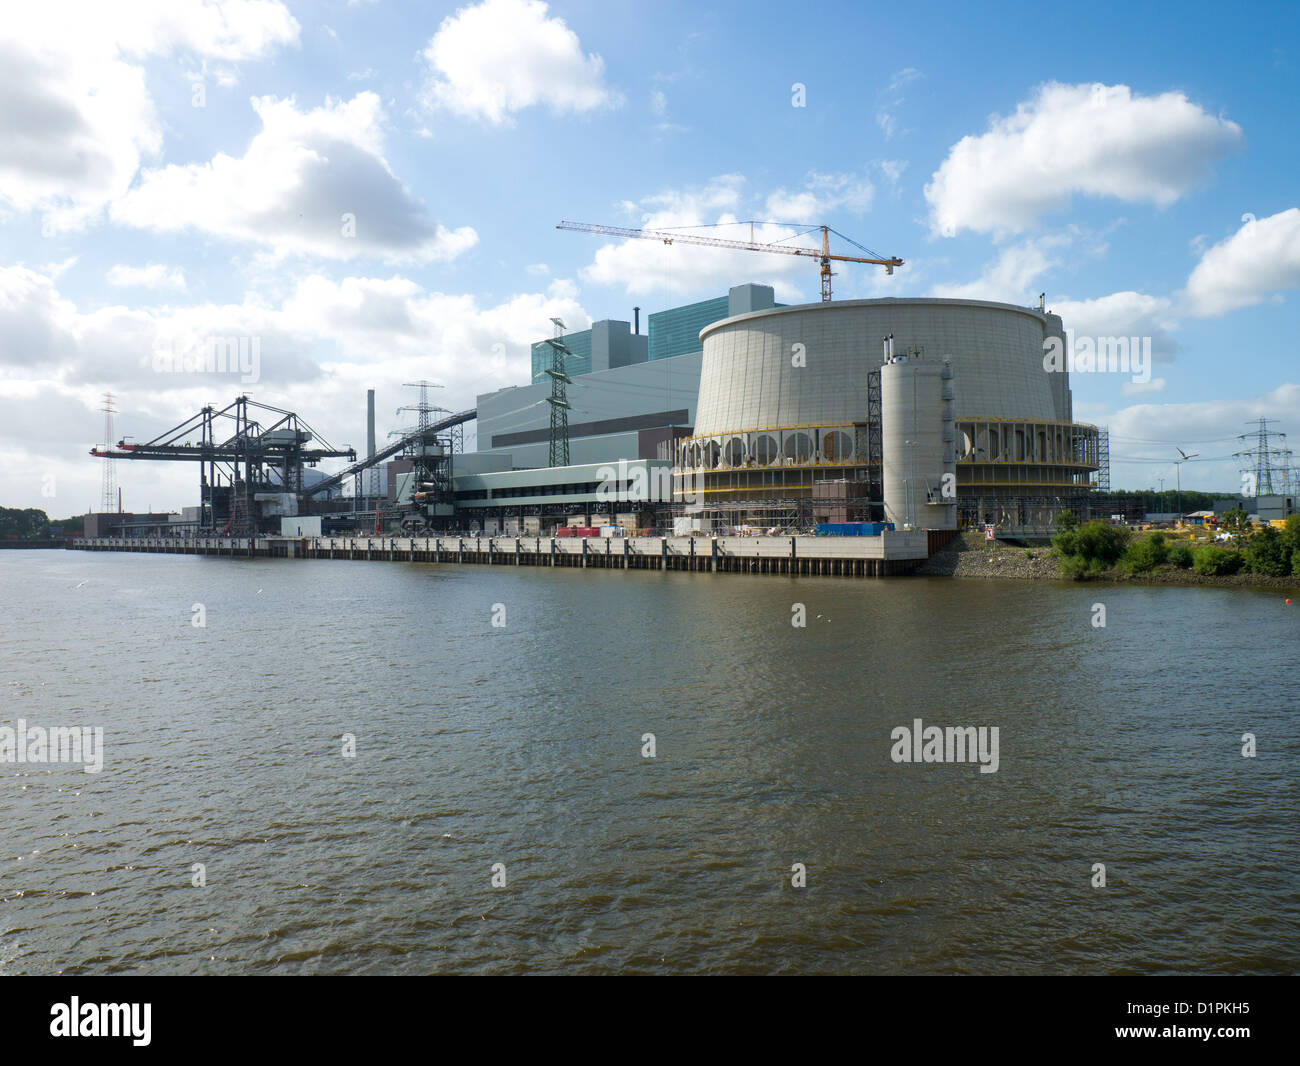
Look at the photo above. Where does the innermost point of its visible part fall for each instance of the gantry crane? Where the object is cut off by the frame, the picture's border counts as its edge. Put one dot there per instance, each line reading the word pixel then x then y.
pixel 255 458
pixel 822 254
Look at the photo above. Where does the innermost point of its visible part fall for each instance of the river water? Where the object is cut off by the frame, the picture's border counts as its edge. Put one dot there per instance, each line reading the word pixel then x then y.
pixel 522 745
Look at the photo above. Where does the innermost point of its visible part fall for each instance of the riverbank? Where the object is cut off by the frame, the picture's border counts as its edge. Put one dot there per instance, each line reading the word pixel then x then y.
pixel 969 555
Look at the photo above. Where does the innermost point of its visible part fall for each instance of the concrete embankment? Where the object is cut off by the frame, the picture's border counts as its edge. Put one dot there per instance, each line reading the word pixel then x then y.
pixel 894 552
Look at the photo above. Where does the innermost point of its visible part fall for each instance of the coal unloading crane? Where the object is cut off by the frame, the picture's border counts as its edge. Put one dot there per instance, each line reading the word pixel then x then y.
pixel 248 478
pixel 429 501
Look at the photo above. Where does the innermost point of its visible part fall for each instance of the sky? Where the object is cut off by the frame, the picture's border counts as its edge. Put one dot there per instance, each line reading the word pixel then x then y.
pixel 365 193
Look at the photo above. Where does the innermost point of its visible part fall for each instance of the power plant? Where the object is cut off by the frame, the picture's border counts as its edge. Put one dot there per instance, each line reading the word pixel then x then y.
pixel 730 415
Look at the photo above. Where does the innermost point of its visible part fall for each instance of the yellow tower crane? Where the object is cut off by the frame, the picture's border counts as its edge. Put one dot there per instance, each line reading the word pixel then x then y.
pixel 822 254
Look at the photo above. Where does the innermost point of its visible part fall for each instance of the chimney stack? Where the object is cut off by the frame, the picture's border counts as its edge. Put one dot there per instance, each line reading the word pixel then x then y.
pixel 636 319
pixel 370 423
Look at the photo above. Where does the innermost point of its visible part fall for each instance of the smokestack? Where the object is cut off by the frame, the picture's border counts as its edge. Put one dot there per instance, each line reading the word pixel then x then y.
pixel 636 319
pixel 370 423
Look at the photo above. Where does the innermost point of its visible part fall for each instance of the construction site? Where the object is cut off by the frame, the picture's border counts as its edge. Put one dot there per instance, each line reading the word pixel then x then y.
pixel 732 416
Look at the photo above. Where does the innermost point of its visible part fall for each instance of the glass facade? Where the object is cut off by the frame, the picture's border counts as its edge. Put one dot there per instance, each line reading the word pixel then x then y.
pixel 677 330
pixel 578 361
pixel 672 332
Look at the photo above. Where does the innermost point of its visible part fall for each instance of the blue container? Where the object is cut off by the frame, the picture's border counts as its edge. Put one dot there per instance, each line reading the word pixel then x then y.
pixel 852 529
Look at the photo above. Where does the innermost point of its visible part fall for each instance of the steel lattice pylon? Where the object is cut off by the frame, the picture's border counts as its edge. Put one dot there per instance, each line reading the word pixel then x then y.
pixel 559 454
pixel 108 488
pixel 1259 459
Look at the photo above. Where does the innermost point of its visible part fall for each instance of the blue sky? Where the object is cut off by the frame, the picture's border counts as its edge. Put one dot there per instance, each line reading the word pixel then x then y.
pixel 185 170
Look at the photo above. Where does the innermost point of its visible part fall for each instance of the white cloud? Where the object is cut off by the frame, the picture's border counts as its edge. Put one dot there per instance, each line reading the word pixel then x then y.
pixel 1123 314
pixel 34 320
pixel 718 209
pixel 893 169
pixel 1093 140
pixel 821 194
pixel 77 115
pixel 320 325
pixel 1011 276
pixel 502 56
pixel 152 276
pixel 321 347
pixel 1143 388
pixel 1261 258
pixel 647 267
pixel 293 189
pixel 1209 426
pixel 885 117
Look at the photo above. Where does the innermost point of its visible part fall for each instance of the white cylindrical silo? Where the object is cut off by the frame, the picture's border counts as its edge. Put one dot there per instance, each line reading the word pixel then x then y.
pixel 916 432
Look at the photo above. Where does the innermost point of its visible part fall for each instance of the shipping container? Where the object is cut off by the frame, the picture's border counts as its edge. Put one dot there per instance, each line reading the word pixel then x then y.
pixel 853 529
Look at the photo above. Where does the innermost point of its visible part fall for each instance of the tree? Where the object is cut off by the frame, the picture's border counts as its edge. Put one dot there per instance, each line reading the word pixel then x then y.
pixel 1291 532
pixel 1066 521
pixel 1268 553
pixel 1236 523
pixel 16 522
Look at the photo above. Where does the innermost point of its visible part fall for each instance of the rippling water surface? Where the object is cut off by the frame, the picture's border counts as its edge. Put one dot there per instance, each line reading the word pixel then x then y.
pixel 521 745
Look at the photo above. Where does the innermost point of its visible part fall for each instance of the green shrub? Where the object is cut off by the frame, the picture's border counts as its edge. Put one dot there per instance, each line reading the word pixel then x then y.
pixel 1089 550
pixel 1291 534
pixel 1267 553
pixel 1074 568
pixel 1101 542
pixel 1180 555
pixel 1145 554
pixel 1067 542
pixel 1214 561
pixel 1066 521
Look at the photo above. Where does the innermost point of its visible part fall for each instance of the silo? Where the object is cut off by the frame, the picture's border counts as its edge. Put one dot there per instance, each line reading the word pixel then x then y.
pixel 916 432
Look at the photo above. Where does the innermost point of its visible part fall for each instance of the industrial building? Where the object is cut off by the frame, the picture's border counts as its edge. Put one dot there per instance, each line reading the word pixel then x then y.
pixel 629 393
pixel 865 405
pixel 735 411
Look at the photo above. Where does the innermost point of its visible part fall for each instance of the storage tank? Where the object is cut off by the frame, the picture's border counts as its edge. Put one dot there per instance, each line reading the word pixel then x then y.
pixel 916 431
